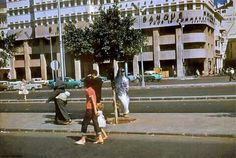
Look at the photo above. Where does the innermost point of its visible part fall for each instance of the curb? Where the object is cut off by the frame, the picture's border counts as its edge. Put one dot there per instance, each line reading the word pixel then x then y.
pixel 117 132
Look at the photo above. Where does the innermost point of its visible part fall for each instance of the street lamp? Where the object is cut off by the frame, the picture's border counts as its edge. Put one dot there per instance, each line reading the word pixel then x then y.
pixel 60 41
pixel 141 49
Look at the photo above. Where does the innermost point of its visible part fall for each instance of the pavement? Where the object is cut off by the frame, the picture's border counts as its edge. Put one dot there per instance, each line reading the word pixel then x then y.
pixel 184 124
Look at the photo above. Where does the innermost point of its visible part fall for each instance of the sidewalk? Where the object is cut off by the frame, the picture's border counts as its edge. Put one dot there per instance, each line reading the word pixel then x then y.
pixel 190 124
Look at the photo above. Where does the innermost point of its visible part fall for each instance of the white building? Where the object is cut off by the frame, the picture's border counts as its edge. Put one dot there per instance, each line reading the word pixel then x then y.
pixel 228 11
pixel 181 34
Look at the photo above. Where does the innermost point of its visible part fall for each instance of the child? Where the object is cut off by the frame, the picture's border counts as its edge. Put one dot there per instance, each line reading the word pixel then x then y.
pixel 101 119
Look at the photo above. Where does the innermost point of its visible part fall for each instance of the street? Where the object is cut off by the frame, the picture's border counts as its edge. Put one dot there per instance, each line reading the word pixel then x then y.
pixel 61 145
pixel 163 106
pixel 138 92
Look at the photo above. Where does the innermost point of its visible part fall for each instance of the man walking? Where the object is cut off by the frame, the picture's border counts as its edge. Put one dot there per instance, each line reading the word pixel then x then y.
pixel 97 86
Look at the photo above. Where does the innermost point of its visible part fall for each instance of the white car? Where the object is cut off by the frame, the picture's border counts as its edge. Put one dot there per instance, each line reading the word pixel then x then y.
pixel 29 86
pixel 40 81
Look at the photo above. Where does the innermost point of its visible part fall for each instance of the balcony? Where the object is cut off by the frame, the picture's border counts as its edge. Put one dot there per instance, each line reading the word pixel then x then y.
pixel 17 4
pixel 167 55
pixel 167 39
pixel 195 37
pixel 195 53
pixel 18 18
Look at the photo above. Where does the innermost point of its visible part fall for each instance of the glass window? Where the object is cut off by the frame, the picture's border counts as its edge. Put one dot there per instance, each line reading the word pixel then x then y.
pixel 151 10
pixel 181 7
pixel 166 9
pixel 198 6
pixel 190 6
pixel 173 8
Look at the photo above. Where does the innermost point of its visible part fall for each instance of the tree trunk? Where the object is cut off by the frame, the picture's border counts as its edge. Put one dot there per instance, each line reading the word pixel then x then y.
pixel 114 95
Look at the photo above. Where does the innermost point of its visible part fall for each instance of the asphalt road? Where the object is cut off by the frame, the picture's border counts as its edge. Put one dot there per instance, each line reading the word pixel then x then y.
pixel 61 145
pixel 190 106
pixel 151 92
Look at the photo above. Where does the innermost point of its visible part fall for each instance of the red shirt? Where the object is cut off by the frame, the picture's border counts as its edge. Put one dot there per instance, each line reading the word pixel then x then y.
pixel 90 93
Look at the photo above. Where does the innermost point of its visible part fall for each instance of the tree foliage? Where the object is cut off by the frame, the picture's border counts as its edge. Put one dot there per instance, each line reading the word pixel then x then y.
pixel 6 48
pixel 109 37
pixel 78 41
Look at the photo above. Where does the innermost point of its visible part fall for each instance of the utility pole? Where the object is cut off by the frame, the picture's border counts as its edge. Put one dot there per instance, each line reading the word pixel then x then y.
pixel 60 42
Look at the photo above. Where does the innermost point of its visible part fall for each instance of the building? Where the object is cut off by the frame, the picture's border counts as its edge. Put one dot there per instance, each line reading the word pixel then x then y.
pixel 181 34
pixel 228 12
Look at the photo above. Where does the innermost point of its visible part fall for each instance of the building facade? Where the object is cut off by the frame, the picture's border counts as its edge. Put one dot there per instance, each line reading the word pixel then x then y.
pixel 181 35
pixel 228 12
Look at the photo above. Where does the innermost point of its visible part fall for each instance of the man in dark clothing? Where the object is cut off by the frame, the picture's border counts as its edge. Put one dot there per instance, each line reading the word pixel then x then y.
pixel 97 86
pixel 61 117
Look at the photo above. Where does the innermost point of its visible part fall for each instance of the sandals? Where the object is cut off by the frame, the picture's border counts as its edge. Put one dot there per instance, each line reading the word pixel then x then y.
pixel 80 142
pixel 98 142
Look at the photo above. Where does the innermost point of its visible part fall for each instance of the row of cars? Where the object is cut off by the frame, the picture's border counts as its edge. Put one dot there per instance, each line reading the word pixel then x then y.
pixel 149 76
pixel 16 85
pixel 38 83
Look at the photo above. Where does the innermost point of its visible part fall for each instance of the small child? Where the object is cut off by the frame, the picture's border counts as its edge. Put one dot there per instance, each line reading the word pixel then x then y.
pixel 101 120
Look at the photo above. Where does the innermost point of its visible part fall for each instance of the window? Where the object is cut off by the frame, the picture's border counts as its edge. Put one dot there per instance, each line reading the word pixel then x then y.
pixel 166 9
pixel 158 9
pixel 181 7
pixel 173 8
pixel 151 10
pixel 198 6
pixel 190 6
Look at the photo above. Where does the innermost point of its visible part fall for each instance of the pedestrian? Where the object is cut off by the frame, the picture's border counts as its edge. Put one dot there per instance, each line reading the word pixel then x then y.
pixel 90 113
pixel 231 74
pixel 101 120
pixel 97 86
pixel 59 96
pixel 122 88
pixel 197 73
pixel 23 89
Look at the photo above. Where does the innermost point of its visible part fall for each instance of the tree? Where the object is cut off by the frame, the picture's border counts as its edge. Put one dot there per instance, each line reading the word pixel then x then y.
pixel 110 37
pixel 6 48
pixel 114 38
pixel 78 41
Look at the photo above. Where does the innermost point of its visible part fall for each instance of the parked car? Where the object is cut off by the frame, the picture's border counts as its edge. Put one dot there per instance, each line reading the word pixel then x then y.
pixel 40 81
pixel 69 82
pixel 152 76
pixel 16 85
pixel 3 85
pixel 131 77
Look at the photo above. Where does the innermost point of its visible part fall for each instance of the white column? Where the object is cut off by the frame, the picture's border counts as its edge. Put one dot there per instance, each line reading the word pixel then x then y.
pixel 179 53
pixel 13 70
pixel 27 61
pixel 43 66
pixel 96 67
pixel 157 51
pixel 135 65
pixel 77 69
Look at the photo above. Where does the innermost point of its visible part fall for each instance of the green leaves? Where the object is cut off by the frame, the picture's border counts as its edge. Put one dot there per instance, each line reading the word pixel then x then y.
pixel 6 48
pixel 109 37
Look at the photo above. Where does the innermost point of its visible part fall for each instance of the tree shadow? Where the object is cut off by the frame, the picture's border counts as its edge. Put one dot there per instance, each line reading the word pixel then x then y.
pixel 223 115
pixel 90 138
